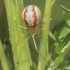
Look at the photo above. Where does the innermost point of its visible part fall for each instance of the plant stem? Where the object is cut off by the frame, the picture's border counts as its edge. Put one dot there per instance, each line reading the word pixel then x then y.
pixel 21 53
pixel 64 8
pixel 3 58
pixel 44 41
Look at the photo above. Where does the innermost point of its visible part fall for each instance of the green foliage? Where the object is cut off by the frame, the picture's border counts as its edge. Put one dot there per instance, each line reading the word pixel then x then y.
pixel 45 62
pixel 65 64
pixel 62 43
pixel 33 66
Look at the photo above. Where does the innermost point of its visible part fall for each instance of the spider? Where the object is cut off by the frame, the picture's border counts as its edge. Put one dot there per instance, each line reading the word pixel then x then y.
pixel 31 16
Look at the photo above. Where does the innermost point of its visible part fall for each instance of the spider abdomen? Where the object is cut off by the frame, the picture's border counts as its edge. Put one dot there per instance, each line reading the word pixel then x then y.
pixel 31 15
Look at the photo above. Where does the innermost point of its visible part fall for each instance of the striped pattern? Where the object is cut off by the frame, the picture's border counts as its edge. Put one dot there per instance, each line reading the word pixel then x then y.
pixel 31 15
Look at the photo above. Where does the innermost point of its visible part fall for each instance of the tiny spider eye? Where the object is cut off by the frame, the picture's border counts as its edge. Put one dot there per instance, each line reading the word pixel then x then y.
pixel 31 15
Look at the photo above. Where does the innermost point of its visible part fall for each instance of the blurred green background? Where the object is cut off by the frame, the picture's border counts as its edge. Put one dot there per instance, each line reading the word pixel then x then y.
pixel 57 18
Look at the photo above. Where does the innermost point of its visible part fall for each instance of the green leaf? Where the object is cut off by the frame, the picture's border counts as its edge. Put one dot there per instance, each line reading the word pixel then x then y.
pixel 63 37
pixel 63 45
pixel 65 64
pixel 33 66
pixel 67 15
pixel 64 8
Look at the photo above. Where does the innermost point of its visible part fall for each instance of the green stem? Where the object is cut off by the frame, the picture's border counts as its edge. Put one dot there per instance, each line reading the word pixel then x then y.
pixel 44 41
pixel 67 10
pixel 3 58
pixel 21 53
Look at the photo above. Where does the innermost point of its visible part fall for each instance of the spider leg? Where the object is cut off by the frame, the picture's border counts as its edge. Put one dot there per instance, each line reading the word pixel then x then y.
pixel 22 27
pixel 36 46
pixel 49 33
pixel 45 13
pixel 49 8
pixel 18 40
pixel 46 22
pixel 17 7
pixel 34 41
